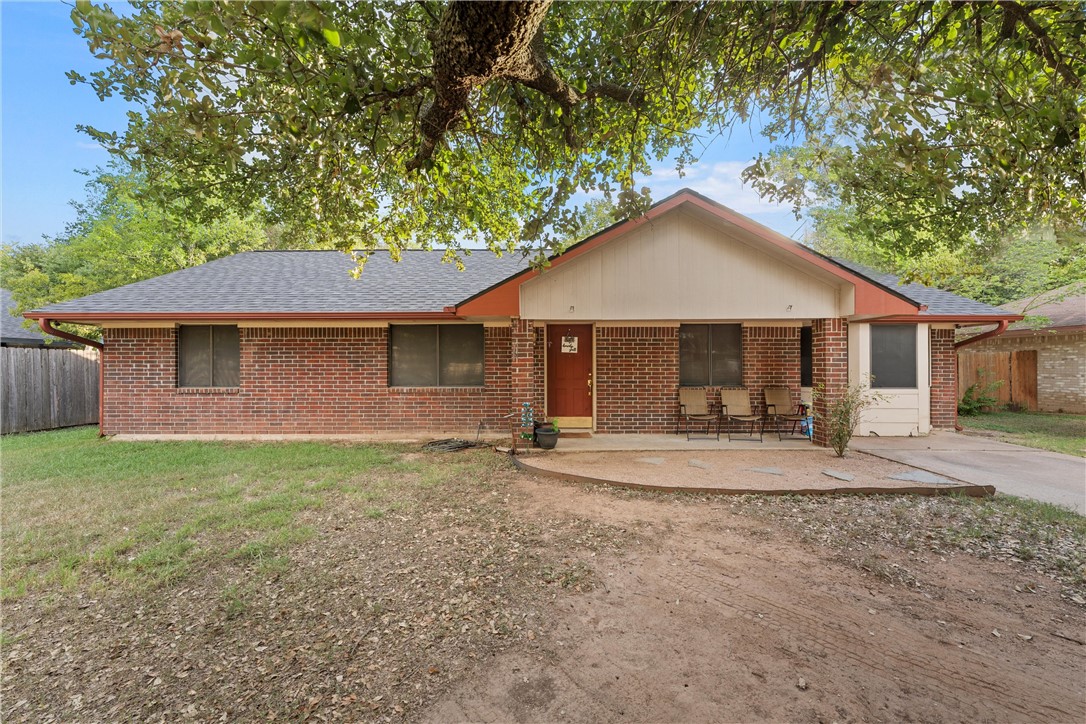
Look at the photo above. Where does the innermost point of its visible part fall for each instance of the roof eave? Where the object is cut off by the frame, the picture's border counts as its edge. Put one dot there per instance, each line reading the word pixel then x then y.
pixel 98 317
pixel 958 318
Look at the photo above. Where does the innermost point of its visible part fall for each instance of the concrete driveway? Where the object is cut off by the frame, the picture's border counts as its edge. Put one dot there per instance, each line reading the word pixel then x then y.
pixel 1012 469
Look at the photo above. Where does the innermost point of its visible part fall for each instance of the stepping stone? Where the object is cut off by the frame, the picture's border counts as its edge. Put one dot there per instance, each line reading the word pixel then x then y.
pixel 921 476
pixel 652 461
pixel 767 471
pixel 694 463
pixel 838 475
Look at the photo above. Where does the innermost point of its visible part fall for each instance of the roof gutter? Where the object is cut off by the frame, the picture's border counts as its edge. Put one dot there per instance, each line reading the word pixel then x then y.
pixel 47 327
pixel 973 319
pixel 1001 327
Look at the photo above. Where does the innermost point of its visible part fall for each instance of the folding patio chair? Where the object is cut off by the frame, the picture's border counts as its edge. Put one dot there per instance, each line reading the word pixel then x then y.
pixel 781 411
pixel 694 407
pixel 735 406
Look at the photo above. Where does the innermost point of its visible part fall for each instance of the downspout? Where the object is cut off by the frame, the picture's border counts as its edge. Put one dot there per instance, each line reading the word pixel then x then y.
pixel 47 327
pixel 1000 328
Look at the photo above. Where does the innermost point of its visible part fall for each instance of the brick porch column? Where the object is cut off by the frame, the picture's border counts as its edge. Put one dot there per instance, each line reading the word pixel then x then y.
pixel 829 368
pixel 944 379
pixel 522 365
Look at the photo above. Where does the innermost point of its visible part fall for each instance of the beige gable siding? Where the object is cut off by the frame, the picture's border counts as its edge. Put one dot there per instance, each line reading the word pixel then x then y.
pixel 678 268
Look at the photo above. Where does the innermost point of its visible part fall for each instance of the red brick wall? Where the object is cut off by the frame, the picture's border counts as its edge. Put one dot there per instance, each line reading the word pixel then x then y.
pixel 334 380
pixel 944 379
pixel 770 358
pixel 637 379
pixel 294 381
pixel 829 352
pixel 638 374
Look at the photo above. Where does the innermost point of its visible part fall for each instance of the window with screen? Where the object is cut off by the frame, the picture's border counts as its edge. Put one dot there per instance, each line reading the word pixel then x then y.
pixel 710 354
pixel 435 355
pixel 806 357
pixel 208 356
pixel 893 355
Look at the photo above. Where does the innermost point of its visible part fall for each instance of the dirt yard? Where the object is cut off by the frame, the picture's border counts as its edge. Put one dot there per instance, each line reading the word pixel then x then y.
pixel 509 597
pixel 719 617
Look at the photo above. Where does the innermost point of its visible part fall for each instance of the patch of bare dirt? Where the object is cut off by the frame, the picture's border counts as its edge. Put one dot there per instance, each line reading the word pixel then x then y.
pixel 727 617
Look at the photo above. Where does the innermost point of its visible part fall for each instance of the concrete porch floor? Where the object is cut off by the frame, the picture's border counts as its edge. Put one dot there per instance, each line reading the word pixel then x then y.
pixel 644 443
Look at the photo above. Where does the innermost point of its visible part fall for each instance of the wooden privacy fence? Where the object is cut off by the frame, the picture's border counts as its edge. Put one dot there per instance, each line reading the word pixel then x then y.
pixel 46 388
pixel 1017 370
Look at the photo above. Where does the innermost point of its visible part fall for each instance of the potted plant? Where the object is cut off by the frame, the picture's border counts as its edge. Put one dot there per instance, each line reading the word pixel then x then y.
pixel 546 435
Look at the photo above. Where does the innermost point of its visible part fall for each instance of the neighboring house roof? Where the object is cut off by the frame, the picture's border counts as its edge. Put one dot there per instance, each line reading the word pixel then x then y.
pixel 14 334
pixel 1064 308
pixel 317 284
pixel 939 302
pixel 302 282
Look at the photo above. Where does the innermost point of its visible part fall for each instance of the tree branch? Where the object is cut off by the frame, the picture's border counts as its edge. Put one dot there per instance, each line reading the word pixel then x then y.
pixel 1040 43
pixel 512 48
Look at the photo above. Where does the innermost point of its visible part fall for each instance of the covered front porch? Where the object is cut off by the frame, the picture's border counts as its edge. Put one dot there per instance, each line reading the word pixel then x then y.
pixel 620 382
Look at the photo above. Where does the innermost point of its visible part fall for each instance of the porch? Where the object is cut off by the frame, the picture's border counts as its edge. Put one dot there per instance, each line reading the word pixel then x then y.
pixel 788 467
pixel 600 442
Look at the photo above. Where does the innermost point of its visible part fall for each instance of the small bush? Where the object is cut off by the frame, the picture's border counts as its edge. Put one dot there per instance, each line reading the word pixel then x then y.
pixel 843 413
pixel 980 396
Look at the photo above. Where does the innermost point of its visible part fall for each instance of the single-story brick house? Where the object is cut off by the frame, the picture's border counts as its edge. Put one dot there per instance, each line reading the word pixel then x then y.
pixel 690 294
pixel 1052 356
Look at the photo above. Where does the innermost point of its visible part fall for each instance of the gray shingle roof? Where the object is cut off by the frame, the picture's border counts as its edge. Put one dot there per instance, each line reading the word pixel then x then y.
pixel 938 301
pixel 14 333
pixel 1064 307
pixel 271 282
pixel 305 281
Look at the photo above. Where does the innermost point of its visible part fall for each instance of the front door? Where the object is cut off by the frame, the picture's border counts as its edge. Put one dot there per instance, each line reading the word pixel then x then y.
pixel 569 374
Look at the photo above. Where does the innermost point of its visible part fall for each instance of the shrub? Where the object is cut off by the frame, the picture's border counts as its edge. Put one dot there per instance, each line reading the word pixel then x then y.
pixel 980 396
pixel 843 413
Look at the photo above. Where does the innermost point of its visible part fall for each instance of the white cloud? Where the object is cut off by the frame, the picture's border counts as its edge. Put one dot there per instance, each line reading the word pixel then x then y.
pixel 720 181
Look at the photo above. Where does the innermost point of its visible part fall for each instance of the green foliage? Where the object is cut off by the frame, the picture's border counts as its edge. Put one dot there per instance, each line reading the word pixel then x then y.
pixel 595 216
pixel 120 236
pixel 844 411
pixel 980 396
pixel 934 120
pixel 995 272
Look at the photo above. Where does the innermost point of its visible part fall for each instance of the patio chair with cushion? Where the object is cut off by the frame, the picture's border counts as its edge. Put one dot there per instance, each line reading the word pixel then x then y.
pixel 735 408
pixel 781 412
pixel 694 408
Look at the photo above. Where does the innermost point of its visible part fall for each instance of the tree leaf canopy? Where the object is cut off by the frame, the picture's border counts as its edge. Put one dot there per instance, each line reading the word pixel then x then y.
pixel 462 124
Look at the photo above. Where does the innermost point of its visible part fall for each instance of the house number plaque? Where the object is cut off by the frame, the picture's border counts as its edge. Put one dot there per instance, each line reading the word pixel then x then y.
pixel 569 345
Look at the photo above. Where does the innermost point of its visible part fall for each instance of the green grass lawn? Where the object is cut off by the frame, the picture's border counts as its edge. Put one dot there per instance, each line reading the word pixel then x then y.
pixel 1045 430
pixel 78 509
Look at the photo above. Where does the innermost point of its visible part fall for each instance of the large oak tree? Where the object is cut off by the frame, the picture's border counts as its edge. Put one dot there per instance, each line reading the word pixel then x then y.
pixel 463 123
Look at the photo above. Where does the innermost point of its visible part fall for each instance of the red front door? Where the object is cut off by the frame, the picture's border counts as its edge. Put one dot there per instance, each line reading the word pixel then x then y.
pixel 569 370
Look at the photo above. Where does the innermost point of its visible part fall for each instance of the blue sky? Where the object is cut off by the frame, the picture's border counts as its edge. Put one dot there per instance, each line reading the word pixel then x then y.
pixel 42 151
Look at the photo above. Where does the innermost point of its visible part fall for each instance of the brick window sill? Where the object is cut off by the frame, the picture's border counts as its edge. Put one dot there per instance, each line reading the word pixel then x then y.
pixel 207 390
